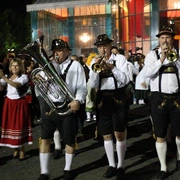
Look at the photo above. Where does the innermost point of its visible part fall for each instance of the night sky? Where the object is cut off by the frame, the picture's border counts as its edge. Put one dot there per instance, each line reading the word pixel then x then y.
pixel 17 5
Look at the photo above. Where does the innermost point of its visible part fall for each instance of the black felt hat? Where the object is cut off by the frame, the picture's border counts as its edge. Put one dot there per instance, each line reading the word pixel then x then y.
pixel 166 30
pixel 103 39
pixel 59 44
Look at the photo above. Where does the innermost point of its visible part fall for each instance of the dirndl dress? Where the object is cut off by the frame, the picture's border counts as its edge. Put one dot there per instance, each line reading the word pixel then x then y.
pixel 16 123
pixel 142 92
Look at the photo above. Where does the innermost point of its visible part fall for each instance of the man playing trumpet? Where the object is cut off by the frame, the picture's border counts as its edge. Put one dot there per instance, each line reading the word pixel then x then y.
pixel 163 68
pixel 111 103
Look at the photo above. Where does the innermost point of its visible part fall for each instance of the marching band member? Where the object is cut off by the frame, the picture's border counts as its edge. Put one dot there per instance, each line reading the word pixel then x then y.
pixel 73 74
pixel 162 67
pixel 111 103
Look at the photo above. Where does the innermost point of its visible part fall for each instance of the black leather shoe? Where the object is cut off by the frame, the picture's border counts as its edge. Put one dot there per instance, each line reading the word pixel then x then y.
pixel 22 159
pixel 68 175
pixel 120 174
pixel 57 154
pixel 43 177
pixel 178 166
pixel 110 172
pixel 98 138
pixel 162 175
pixel 16 156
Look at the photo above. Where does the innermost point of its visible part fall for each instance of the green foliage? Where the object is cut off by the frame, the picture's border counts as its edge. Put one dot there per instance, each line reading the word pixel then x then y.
pixel 15 30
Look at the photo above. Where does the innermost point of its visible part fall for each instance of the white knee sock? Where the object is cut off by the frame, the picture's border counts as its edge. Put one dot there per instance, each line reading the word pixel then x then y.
pixel 44 162
pixel 178 148
pixel 68 161
pixel 121 149
pixel 57 141
pixel 88 114
pixel 161 149
pixel 109 148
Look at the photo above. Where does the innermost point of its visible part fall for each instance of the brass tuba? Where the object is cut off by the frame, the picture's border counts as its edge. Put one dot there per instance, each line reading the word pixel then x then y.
pixel 53 85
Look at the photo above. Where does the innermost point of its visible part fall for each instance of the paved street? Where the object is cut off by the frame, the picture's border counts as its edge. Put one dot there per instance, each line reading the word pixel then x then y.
pixel 90 162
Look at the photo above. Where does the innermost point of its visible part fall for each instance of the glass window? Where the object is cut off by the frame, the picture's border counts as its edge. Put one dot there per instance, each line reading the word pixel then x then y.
pixel 146 6
pixel 146 47
pixel 146 27
pixel 131 6
pixel 169 4
pixel 89 10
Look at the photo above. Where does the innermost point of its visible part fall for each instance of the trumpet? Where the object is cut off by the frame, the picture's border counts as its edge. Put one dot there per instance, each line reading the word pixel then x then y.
pixel 100 66
pixel 172 55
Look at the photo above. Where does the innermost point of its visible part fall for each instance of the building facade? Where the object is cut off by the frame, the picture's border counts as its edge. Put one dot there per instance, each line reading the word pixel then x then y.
pixel 131 24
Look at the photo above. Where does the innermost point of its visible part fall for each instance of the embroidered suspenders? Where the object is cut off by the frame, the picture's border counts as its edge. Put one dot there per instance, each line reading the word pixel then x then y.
pixel 167 69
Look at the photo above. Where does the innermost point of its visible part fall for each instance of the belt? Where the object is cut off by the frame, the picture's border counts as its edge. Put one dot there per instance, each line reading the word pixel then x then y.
pixel 111 92
pixel 169 96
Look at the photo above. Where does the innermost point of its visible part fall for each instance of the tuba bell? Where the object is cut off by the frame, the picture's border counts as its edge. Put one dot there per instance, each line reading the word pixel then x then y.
pixel 53 85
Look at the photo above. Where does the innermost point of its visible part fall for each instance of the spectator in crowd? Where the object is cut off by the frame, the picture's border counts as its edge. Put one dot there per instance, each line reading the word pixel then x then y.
pixel 10 57
pixel 16 122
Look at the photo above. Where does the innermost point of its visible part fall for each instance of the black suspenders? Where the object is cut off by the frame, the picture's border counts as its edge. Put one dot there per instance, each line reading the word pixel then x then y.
pixel 161 72
pixel 101 77
pixel 66 70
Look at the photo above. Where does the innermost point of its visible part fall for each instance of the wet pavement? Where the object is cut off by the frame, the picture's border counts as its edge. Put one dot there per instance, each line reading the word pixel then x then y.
pixel 90 162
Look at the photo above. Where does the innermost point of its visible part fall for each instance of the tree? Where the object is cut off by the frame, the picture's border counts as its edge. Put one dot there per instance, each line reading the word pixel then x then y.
pixel 15 30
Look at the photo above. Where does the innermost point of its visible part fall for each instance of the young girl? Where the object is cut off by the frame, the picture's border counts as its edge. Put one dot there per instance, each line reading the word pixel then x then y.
pixel 16 122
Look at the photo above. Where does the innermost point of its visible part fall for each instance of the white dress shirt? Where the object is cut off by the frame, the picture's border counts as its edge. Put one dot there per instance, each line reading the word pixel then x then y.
pixel 169 81
pixel 75 80
pixel 141 78
pixel 133 70
pixel 120 72
pixel 12 92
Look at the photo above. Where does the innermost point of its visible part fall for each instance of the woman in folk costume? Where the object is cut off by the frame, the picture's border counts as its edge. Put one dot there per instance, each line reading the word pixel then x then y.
pixel 16 122
pixel 142 87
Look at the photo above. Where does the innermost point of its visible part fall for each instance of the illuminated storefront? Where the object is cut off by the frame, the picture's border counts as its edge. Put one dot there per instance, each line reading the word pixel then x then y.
pixel 138 21
pixel 77 22
pixel 130 23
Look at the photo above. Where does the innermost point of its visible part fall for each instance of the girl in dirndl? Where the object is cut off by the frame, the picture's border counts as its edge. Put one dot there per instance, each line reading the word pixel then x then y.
pixel 16 122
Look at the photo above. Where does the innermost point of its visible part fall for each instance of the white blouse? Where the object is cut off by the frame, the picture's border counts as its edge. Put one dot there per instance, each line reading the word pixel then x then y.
pixel 141 78
pixel 12 92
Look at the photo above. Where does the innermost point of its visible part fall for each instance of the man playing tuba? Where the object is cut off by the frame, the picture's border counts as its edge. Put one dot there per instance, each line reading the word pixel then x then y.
pixel 73 74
